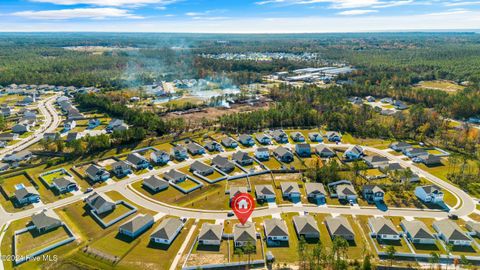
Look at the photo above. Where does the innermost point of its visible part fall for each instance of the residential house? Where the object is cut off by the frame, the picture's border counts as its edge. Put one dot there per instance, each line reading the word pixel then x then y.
pixel 155 184
pixel 175 176
pixel 195 149
pixel 159 157
pixel 93 123
pixel 26 195
pixel 417 232
pixel 276 231
pixel 428 160
pixel 473 227
pixel 246 140
pixel 179 152
pixel 399 105
pixel 137 161
pixel 387 100
pixel 370 99
pixel 346 192
pixel 4 167
pixel 223 164
pixel 324 151
pixel 400 146
pixel 376 161
pixel 404 174
pixel 20 128
pixel 229 142
pixel 306 227
pixel 262 154
pixel 303 149
pixel 339 227
pixel 383 228
pixel 263 139
pixel 100 203
pixel 97 173
pixel 45 221
pixel 244 234
pixel 415 152
pixel 315 137
pixel 242 158
pixel 451 233
pixel 6 111
pixel 114 123
pixel 72 136
pixel 23 155
pixel 201 168
pixel 373 193
pixel 213 146
pixel 354 152
pixel 236 190
pixel 291 191
pixel 297 136
pixel 283 154
pixel 8 137
pixel 210 234
pixel 51 136
pixel 167 231
pixel 333 136
pixel 429 194
pixel 69 125
pixel 265 192
pixel 121 168
pixel 120 128
pixel 136 226
pixel 280 136
pixel 64 184
pixel 316 192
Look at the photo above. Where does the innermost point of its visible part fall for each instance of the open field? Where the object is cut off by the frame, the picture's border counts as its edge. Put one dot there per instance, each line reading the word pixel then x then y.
pixel 447 86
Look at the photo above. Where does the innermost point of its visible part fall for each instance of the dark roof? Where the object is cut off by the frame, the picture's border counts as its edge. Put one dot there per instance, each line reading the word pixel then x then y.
pixel 155 182
pixel 199 166
pixel 394 167
pixel 122 164
pixel 222 162
pixel 97 201
pixel 275 227
pixel 241 156
pixel 22 193
pixel 281 151
pixel 63 182
pixel 173 175
pixel 135 158
pixel 194 147
pixel 42 220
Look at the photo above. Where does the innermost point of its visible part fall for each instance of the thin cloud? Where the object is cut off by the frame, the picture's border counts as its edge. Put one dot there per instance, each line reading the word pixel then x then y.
pixel 357 12
pixel 463 3
pixel 341 4
pixel 107 3
pixel 77 13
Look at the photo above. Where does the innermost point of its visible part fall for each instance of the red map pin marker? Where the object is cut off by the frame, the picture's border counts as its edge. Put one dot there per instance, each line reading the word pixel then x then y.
pixel 243 206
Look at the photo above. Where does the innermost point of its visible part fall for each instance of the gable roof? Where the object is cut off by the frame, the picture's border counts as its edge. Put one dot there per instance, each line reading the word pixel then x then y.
pixel 289 187
pixel 382 226
pixel 97 201
pixel 22 193
pixel 281 151
pixel 135 158
pixel 338 225
pixel 417 229
pixel 136 223
pixel 373 159
pixel 222 162
pixel 44 220
pixel 275 227
pixel 155 182
pixel 200 166
pixel 63 182
pixel 244 232
pixel 451 230
pixel 212 232
pixel 241 156
pixel 167 228
pixel 315 188
pixel 305 225
pixel 173 175
pixel 194 147
pixel 264 190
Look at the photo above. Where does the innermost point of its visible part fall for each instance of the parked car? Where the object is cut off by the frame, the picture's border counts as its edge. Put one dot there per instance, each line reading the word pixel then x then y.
pixel 230 214
pixel 88 190
pixel 453 217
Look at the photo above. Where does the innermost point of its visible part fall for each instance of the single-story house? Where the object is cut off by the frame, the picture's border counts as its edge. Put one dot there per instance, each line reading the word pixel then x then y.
pixel 283 154
pixel 100 203
pixel 93 123
pixel 175 176
pixel 229 142
pixel 97 173
pixel 265 192
pixel 72 136
pixel 121 168
pixel 69 125
pixel 155 184
pixel 417 232
pixel 262 154
pixel 159 157
pixel 428 160
pixel 114 123
pixel 195 149
pixel 242 158
pixel 243 234
pixel 64 184
pixel 429 194
pixel 316 192
pixel 246 140
pixel 324 151
pixel 137 161
pixel 415 152
pixel 213 146
pixel 136 225
pixel 276 231
pixel 400 146
pixel 333 136
pixel 315 137
pixel 346 192
pixel 451 233
pixel 9 136
pixel 306 227
pixel 263 139
pixel 290 190
pixel 280 136
pixel 23 155
pixel 201 168
pixel 383 228
pixel 223 164
pixel 45 221
pixel 166 232
pixel 354 152
pixel 372 193
pixel 376 161
pixel 236 190
pixel 51 136
pixel 210 234
pixel 297 136
pixel 20 128
pixel 339 227
pixel 303 150
pixel 4 166
pixel 179 152
pixel 26 195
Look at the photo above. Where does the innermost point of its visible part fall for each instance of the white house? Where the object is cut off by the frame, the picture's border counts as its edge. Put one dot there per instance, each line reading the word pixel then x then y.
pixel 383 228
pixel 210 234
pixel 262 153
pixel 451 233
pixel 276 231
pixel 429 194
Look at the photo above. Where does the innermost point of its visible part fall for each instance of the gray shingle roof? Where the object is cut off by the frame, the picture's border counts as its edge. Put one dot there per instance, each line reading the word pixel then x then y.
pixel 155 182
pixel 417 229
pixel 275 227
pixel 339 226
pixel 305 225
pixel 135 158
pixel 382 226
pixel 451 230
pixel 43 220
pixel 264 190
pixel 97 201
pixel 22 193
pixel 315 188
pixel 136 223
pixel 212 232
pixel 167 228
pixel 244 232
pixel 241 156
pixel 62 182
pixel 289 187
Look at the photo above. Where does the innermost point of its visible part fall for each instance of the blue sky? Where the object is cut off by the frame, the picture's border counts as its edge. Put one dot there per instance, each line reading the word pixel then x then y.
pixel 234 16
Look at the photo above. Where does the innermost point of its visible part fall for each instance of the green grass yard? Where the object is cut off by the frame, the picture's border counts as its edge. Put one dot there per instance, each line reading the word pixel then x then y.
pixel 31 241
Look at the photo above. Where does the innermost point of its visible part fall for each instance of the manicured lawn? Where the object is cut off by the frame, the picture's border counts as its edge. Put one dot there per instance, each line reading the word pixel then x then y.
pixel 9 183
pixel 31 241
pixel 49 177
pixel 434 152
pixel 120 209
pixel 113 244
pixel 272 164
pixel 373 172
pixel 187 184
pixel 215 175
